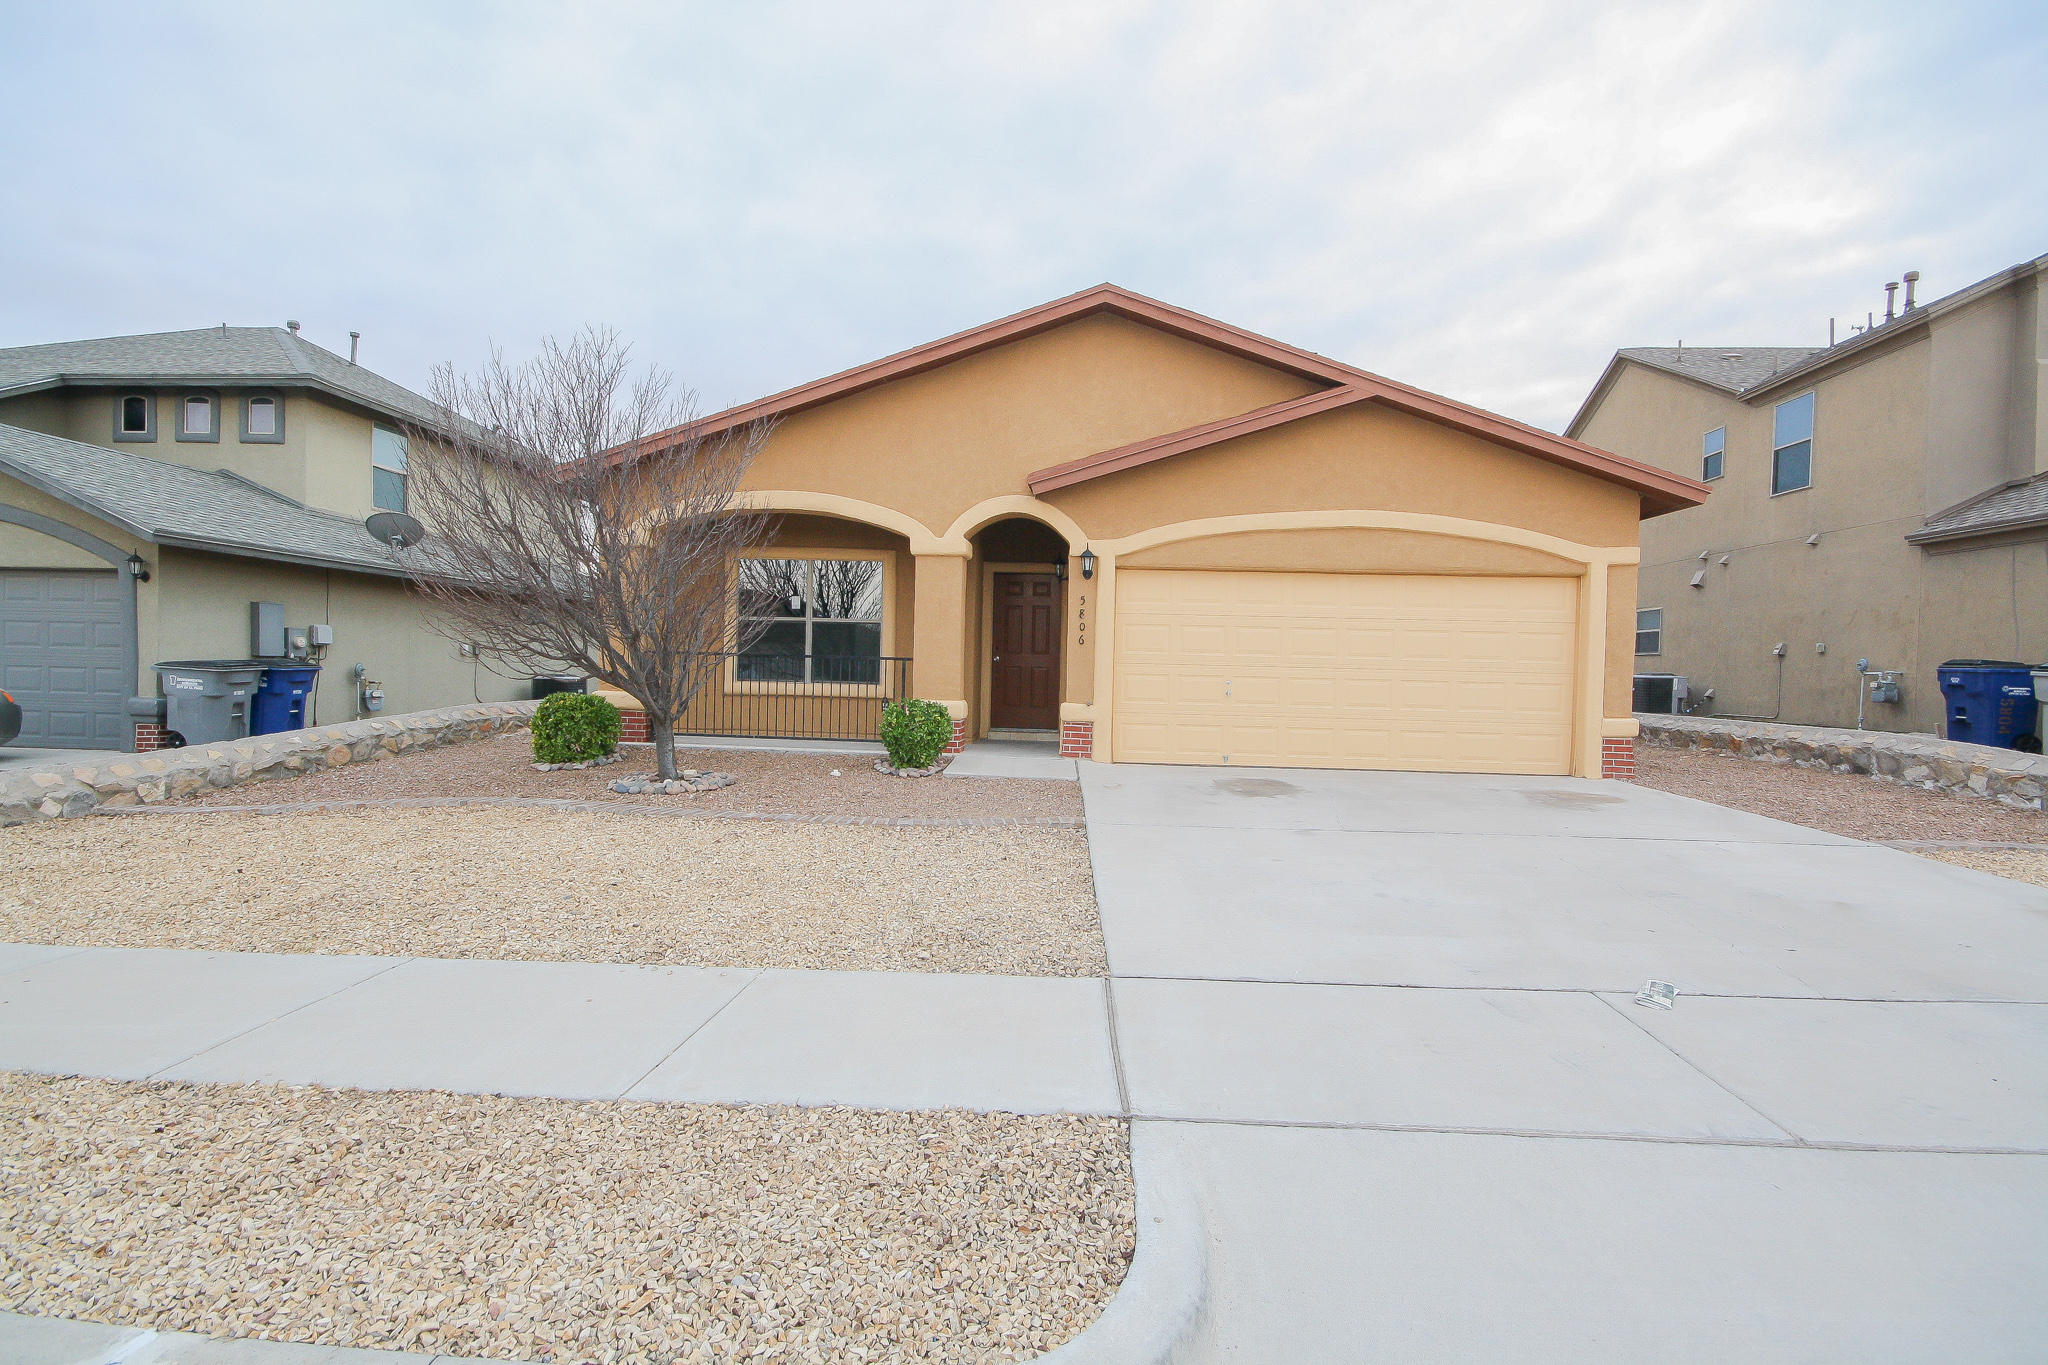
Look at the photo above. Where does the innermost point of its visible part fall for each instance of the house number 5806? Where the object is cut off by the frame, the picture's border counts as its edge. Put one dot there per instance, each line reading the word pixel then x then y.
pixel 1081 619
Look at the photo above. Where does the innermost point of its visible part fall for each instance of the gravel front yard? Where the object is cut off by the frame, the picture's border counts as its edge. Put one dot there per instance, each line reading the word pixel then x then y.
pixel 502 765
pixel 2020 864
pixel 1840 803
pixel 505 882
pixel 549 1229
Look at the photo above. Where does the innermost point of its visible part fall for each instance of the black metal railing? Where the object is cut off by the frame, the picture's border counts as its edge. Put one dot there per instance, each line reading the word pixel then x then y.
pixel 794 696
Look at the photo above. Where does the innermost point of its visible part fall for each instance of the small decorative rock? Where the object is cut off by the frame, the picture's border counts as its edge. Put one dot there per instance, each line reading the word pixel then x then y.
pixel 597 762
pixel 689 783
pixel 882 765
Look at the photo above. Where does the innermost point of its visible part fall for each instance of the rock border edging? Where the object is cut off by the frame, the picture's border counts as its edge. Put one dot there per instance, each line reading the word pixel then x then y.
pixel 2010 778
pixel 60 790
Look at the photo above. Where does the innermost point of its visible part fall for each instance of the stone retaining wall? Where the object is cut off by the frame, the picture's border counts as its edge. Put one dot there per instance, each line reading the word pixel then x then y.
pixel 2002 775
pixel 51 791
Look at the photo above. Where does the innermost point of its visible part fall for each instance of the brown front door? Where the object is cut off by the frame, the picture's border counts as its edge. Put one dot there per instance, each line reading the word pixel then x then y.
pixel 1025 674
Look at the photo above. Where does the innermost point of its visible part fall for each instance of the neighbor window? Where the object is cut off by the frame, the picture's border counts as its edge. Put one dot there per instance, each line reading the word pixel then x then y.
pixel 1650 630
pixel 1792 445
pixel 811 620
pixel 387 468
pixel 263 418
pixel 1713 450
pixel 135 417
pixel 199 417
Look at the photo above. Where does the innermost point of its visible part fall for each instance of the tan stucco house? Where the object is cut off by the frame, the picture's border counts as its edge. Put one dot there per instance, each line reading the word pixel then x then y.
pixel 1884 499
pixel 1170 540
pixel 153 488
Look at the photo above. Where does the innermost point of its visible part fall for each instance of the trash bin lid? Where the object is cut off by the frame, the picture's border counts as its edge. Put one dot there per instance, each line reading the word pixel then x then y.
pixel 212 665
pixel 1984 663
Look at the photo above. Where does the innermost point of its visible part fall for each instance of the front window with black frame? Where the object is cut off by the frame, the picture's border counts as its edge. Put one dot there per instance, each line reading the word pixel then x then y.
pixel 810 620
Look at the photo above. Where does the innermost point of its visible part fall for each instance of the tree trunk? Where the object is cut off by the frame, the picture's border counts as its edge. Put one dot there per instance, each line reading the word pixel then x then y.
pixel 662 731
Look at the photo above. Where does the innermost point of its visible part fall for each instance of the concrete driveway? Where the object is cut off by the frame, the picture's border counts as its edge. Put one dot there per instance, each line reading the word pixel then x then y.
pixel 1386 1022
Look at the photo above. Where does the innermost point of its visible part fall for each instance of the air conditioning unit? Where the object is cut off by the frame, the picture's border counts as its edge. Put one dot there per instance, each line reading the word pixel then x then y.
pixel 1663 694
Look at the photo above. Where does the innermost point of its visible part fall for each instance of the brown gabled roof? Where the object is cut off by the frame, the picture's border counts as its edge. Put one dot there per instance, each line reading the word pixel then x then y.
pixel 1661 490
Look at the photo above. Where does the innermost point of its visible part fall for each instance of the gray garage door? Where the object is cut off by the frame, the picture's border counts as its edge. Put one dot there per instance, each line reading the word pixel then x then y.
pixel 64 655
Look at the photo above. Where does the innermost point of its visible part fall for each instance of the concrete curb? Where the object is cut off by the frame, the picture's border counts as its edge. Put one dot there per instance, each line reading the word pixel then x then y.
pixel 1155 1315
pixel 2006 776
pixel 29 1340
pixel 60 790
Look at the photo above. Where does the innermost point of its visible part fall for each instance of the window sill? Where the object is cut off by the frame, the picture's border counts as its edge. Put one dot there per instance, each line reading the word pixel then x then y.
pixel 1788 492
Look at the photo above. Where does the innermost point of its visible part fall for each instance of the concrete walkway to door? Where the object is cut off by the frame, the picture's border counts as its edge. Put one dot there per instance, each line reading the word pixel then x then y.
pixel 1387 1022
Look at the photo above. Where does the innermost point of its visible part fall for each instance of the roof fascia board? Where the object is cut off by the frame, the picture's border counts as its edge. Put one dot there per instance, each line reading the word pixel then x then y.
pixel 1994 533
pixel 1016 327
pixel 72 498
pixel 245 551
pixel 1596 397
pixel 1871 342
pixel 1193 438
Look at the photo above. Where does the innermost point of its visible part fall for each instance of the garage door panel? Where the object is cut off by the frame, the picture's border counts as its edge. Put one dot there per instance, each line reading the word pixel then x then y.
pixel 67 655
pixel 1345 670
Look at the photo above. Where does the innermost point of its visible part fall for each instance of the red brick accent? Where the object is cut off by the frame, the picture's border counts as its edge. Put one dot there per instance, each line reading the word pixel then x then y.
pixel 1618 759
pixel 149 736
pixel 959 739
pixel 1077 739
pixel 633 728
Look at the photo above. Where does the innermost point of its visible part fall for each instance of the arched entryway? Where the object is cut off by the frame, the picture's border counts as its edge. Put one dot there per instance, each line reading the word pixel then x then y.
pixel 1021 569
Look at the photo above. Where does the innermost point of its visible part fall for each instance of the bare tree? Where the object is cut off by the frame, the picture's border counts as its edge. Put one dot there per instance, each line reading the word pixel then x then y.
pixel 575 517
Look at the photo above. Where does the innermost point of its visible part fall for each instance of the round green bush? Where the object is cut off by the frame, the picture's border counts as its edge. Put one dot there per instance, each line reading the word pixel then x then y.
pixel 915 732
pixel 572 727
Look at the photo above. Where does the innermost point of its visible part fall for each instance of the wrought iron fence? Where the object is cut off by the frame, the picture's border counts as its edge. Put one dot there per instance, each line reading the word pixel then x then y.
pixel 794 696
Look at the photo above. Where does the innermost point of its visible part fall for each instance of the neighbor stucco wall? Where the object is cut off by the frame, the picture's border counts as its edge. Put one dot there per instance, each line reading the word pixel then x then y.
pixel 377 621
pixel 1914 426
pixel 323 461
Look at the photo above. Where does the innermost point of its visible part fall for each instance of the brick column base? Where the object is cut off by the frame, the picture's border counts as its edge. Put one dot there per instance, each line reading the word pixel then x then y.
pixel 1618 759
pixel 633 728
pixel 959 739
pixel 149 736
pixel 1077 739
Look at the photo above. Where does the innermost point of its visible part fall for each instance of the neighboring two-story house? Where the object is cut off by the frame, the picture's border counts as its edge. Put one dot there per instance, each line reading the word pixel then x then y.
pixel 153 488
pixel 1884 499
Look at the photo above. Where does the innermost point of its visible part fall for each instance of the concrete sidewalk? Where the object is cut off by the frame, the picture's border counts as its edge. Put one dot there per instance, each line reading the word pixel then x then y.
pixel 885 1040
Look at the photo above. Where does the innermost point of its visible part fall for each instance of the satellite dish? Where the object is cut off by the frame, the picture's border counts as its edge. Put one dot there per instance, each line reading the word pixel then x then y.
pixel 395 529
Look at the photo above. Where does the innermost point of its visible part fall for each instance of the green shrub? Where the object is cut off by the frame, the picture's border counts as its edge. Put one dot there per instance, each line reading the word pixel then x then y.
pixel 571 727
pixel 915 732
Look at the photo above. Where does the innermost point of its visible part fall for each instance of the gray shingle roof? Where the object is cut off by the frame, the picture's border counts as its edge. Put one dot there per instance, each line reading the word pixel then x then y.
pixel 214 355
pixel 2012 506
pixel 1733 368
pixel 173 504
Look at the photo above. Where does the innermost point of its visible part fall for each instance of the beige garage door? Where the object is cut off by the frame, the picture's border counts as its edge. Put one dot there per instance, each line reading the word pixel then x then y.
pixel 1305 670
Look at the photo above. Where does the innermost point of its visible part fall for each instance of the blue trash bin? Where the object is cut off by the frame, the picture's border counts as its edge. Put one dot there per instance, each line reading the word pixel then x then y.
pixel 281 700
pixel 1989 701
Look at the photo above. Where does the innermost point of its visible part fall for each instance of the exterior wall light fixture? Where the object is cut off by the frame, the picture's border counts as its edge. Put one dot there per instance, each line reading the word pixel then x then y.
pixel 1087 563
pixel 138 570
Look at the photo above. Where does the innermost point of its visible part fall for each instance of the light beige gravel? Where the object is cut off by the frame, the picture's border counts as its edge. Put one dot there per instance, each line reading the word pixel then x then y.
pixel 793 784
pixel 504 882
pixel 623 1233
pixel 2020 864
pixel 1840 803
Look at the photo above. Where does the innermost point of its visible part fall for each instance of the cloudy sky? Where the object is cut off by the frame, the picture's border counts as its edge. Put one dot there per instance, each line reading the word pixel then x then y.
pixel 1484 199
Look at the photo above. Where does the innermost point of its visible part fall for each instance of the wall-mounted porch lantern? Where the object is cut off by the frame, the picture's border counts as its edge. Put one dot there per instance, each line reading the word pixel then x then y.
pixel 1059 570
pixel 137 569
pixel 1087 563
